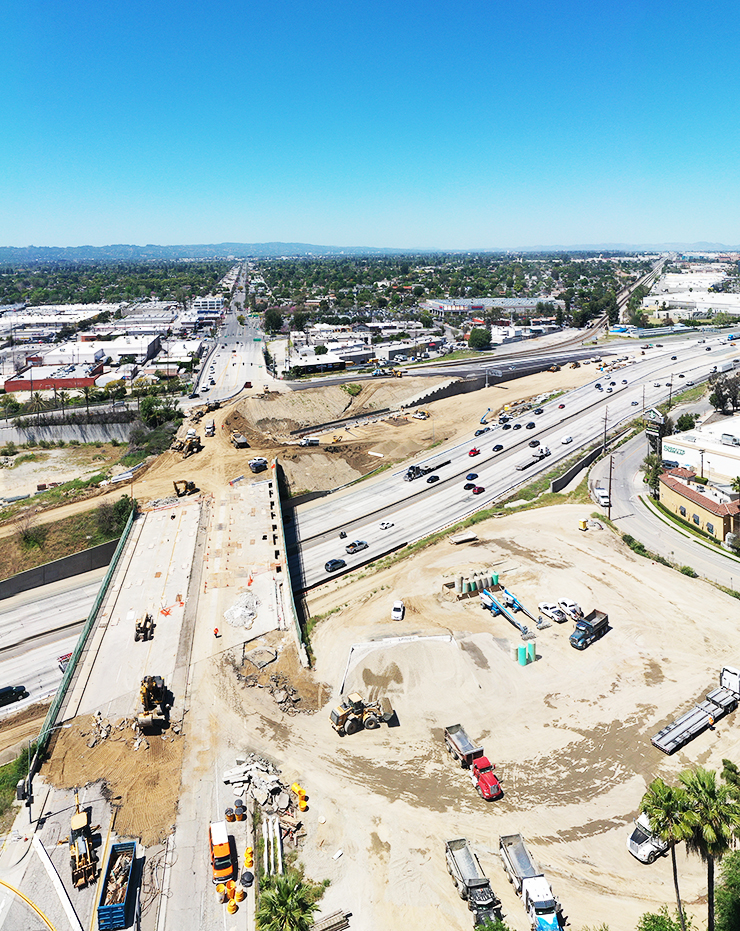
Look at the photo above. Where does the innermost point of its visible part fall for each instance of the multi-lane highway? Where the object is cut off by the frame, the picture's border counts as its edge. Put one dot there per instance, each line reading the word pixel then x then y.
pixel 418 508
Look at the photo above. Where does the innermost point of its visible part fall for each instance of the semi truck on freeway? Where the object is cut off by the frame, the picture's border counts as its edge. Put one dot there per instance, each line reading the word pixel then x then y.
pixel 544 910
pixel 472 883
pixel 718 703
pixel 414 471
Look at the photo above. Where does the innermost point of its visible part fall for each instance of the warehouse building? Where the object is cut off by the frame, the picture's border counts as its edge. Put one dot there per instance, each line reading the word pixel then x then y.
pixel 711 451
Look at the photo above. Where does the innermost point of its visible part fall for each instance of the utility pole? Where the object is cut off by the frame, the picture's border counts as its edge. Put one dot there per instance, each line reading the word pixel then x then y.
pixel 609 508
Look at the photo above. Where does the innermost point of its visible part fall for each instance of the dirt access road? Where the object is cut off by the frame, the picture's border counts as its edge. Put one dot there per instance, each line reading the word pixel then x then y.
pixel 570 733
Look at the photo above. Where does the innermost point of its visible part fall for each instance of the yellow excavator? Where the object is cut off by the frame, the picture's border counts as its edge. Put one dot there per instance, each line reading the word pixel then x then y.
pixel 183 487
pixel 81 853
pixel 355 713
pixel 154 704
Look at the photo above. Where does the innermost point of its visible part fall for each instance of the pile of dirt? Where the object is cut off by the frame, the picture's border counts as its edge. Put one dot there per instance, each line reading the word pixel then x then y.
pixel 17 728
pixel 143 784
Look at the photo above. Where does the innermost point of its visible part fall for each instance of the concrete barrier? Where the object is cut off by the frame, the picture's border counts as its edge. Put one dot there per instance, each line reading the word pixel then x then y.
pixel 85 561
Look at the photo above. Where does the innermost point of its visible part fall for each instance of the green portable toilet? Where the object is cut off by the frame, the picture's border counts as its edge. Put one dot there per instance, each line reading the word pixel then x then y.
pixel 522 650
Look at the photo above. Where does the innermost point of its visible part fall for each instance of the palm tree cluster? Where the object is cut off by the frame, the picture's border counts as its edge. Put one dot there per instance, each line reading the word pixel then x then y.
pixel 704 811
pixel 288 903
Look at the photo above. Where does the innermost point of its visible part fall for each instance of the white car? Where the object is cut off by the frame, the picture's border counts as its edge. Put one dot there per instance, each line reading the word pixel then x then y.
pixel 551 610
pixel 570 608
pixel 566 439
pixel 397 611
pixel 386 524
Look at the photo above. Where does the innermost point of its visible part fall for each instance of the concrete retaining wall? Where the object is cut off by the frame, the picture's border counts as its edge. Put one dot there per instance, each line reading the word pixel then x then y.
pixel 567 477
pixel 83 433
pixel 84 561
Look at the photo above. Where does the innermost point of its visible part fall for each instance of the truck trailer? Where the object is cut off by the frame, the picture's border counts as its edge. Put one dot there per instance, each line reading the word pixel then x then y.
pixel 473 758
pixel 718 703
pixel 472 883
pixel 116 891
pixel 544 910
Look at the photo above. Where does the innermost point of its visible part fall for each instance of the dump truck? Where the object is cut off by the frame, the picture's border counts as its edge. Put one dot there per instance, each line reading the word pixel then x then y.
pixel 589 628
pixel 213 406
pixel 154 704
pixel 184 487
pixel 717 703
pixel 210 428
pixel 238 440
pixel 472 883
pixel 144 628
pixel 462 748
pixel 309 441
pixel 544 910
pixel 354 714
pixel 117 888
pixel 81 853
pixel 643 844
pixel 414 471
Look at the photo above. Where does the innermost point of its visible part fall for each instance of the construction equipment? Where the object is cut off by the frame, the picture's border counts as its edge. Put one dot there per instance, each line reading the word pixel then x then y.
pixel 191 444
pixel 336 439
pixel 211 428
pixel 484 418
pixel 183 488
pixel 154 703
pixel 82 855
pixel 117 889
pixel 704 714
pixel 144 628
pixel 213 405
pixel 554 368
pixel 355 713
pixel 238 440
pixel 575 365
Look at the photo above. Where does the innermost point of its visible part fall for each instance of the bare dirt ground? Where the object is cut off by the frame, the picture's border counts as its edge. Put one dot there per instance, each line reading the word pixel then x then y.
pixel 570 733
pixel 19 477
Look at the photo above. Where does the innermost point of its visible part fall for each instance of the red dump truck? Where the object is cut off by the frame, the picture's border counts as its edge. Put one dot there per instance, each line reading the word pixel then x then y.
pixel 473 758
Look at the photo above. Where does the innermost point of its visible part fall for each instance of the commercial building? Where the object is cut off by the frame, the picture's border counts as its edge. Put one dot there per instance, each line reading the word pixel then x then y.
pixel 139 348
pixel 711 451
pixel 469 306
pixel 54 377
pixel 711 509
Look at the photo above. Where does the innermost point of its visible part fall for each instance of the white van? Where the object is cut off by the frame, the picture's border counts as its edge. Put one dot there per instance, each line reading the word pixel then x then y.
pixel 566 439
pixel 602 497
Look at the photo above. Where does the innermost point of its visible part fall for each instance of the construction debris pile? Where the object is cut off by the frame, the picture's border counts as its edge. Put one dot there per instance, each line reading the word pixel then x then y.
pixel 101 729
pixel 115 889
pixel 278 685
pixel 260 779
pixel 244 610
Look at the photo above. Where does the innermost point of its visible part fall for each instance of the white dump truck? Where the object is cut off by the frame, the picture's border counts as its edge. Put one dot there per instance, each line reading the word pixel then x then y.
pixel 544 910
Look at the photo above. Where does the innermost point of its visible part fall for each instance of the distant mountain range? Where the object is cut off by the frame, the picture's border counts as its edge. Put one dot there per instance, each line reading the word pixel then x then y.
pixel 12 255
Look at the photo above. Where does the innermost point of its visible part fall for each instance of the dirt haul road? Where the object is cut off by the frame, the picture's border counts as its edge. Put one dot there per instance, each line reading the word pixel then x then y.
pixel 570 733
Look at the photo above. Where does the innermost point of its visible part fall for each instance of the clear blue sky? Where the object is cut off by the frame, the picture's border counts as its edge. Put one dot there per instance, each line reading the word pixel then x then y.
pixel 449 125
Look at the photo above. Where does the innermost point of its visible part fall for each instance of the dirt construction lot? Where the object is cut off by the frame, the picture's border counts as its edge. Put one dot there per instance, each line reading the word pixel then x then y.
pixel 570 733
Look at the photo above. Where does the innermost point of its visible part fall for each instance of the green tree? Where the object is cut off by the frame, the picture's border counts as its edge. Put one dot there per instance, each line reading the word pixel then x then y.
pixel 735 487
pixel 273 320
pixel 87 391
pixel 713 817
pixel 685 422
pixel 8 404
pixel 321 350
pixel 287 905
pixel 479 338
pixel 653 468
pixel 728 893
pixel 63 397
pixel 662 921
pixel 665 806
pixel 37 404
pixel 426 320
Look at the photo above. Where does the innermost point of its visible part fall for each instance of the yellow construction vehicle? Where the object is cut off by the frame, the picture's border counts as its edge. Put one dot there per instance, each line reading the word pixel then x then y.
pixel 575 365
pixel 191 444
pixel 184 488
pixel 554 368
pixel 81 853
pixel 154 701
pixel 144 628
pixel 238 440
pixel 336 439
pixel 355 713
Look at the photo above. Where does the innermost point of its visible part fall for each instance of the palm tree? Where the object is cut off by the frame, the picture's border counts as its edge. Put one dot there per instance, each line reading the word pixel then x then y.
pixel 86 392
pixel 63 398
pixel 713 817
pixel 37 404
pixel 288 905
pixel 665 806
pixel 736 483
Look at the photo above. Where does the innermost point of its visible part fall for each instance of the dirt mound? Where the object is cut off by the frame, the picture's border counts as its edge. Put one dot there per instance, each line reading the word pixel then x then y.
pixel 147 780
pixel 19 727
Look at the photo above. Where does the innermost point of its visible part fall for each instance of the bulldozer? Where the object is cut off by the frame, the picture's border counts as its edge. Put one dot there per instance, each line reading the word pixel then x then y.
pixel 81 853
pixel 144 629
pixel 154 704
pixel 183 488
pixel 192 444
pixel 355 713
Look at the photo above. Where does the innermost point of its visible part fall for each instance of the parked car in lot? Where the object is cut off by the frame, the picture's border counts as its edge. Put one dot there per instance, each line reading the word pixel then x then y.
pixel 334 564
pixel 355 546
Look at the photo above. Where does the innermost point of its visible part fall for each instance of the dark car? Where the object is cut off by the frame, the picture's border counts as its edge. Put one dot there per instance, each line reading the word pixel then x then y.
pixel 356 546
pixel 709 348
pixel 335 564
pixel 497 448
pixel 624 381
pixel 534 442
pixel 482 431
pixel 531 425
pixel 506 426
pixel 612 383
pixel 538 410
pixel 682 376
pixel 635 403
pixel 478 490
pixel 471 476
pixel 432 479
pixel 561 406
pixel 12 693
pixel 673 358
pixel 517 426
pixel 469 486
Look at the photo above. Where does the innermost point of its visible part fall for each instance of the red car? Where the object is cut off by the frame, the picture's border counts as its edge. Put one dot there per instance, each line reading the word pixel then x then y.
pixel 474 451
pixel 478 490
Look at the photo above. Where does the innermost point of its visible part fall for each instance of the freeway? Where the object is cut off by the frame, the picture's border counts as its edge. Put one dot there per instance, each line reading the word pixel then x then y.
pixel 38 626
pixel 417 508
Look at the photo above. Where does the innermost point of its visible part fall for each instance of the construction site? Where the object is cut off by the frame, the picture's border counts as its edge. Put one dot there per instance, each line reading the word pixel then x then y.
pixel 213 709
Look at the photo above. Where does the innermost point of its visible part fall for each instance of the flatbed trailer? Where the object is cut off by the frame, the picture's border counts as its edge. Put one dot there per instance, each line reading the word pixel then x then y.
pixel 719 702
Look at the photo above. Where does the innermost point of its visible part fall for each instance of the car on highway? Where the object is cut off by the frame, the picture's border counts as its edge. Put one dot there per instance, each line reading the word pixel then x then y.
pixel 205 388
pixel 506 426
pixel 534 443
pixel 566 439
pixel 612 383
pixel 497 448
pixel 386 524
pixel 635 403
pixel 656 384
pixel 474 451
pixel 471 476
pixel 334 564
pixel 482 431
pixel 531 425
pixel 609 390
pixel 682 376
pixel 355 546
pixel 517 426
pixel 689 383
pixel 598 385
pixel 624 381
pixel 478 490
pixel 469 486
pixel 561 406
pixel 538 410
pixel 709 348
pixel 432 479
pixel 673 358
